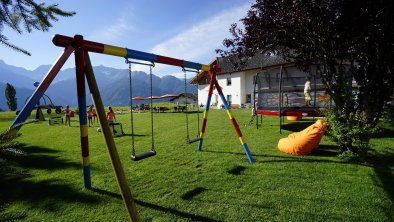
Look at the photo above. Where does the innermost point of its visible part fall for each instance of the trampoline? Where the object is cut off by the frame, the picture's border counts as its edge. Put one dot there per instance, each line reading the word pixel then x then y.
pixel 282 94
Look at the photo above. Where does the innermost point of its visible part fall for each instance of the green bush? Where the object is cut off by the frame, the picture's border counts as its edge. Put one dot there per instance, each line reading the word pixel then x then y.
pixel 349 131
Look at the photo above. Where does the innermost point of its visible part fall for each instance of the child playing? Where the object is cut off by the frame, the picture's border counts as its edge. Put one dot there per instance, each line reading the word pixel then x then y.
pixel 95 119
pixel 111 116
pixel 90 116
pixel 111 119
pixel 307 91
pixel 67 112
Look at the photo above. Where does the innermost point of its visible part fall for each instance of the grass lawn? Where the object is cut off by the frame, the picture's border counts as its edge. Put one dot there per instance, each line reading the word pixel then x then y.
pixel 180 184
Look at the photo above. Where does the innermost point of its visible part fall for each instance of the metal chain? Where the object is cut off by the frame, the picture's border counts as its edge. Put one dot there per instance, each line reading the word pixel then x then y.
pixel 198 108
pixel 187 118
pixel 131 109
pixel 151 106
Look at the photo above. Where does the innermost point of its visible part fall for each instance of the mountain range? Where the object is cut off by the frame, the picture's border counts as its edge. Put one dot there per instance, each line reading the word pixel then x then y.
pixel 113 85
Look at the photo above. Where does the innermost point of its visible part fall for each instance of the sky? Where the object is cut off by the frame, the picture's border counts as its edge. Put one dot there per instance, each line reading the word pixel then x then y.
pixel 183 29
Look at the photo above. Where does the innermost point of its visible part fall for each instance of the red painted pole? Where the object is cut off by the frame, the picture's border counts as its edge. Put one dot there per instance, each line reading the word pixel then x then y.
pixel 208 103
pixel 80 76
pixel 40 90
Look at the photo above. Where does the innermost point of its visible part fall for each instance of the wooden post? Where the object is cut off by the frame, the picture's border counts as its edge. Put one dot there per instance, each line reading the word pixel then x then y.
pixel 113 153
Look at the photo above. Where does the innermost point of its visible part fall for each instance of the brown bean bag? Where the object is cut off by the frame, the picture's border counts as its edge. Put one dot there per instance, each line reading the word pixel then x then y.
pixel 303 142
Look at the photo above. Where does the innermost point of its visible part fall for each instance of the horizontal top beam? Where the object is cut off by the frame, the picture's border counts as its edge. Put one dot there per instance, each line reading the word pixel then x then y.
pixel 64 41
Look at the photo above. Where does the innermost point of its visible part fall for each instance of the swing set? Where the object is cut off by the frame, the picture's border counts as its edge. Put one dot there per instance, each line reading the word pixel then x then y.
pixel 152 150
pixel 84 69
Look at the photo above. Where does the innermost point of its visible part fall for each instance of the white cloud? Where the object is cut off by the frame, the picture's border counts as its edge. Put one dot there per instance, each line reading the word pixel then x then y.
pixel 202 38
pixel 114 31
pixel 117 29
pixel 198 43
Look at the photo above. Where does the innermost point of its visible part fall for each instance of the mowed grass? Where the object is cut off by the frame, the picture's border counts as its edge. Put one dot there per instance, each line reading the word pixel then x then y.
pixel 180 184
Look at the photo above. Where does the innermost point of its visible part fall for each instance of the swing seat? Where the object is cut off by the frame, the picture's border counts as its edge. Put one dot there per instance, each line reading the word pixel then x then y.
pixel 193 140
pixel 143 155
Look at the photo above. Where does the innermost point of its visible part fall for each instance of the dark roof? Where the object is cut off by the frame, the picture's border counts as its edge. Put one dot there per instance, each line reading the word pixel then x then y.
pixel 258 61
pixel 188 95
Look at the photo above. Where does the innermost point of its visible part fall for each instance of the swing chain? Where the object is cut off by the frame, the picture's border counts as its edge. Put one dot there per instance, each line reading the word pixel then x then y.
pixel 131 110
pixel 151 65
pixel 187 118
pixel 198 109
pixel 151 105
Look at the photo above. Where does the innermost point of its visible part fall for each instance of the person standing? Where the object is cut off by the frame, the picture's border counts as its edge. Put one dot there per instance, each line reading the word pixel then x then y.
pixel 90 116
pixel 94 113
pixel 111 118
pixel 307 91
pixel 67 112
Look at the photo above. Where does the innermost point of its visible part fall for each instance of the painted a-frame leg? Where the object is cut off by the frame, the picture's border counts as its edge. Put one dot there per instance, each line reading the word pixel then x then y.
pixel 113 153
pixel 83 123
pixel 213 82
pixel 232 118
pixel 205 118
pixel 40 90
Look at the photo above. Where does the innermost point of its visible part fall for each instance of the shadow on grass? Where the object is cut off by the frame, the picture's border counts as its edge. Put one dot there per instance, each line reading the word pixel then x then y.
pixel 178 213
pixel 18 185
pixel 195 111
pixel 7 119
pixel 237 170
pixel 285 158
pixel 129 134
pixel 192 193
pixel 384 133
pixel 36 158
pixel 47 194
pixel 325 150
pixel 296 126
pixel 382 164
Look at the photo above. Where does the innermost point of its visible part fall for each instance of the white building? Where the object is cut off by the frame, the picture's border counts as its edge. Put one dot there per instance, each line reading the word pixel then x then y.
pixel 238 86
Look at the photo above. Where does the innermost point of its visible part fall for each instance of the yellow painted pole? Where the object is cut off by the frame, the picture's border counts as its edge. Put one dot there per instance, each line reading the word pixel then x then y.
pixel 113 153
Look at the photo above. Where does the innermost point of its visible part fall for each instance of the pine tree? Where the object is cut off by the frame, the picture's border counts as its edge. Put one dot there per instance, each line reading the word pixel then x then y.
pixel 10 93
pixel 29 15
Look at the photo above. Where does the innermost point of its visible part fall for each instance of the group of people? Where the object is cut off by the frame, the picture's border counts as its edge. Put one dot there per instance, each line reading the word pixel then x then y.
pixel 92 115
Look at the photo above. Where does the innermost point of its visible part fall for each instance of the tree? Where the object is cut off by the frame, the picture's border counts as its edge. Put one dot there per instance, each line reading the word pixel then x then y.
pixel 334 35
pixel 10 96
pixel 28 14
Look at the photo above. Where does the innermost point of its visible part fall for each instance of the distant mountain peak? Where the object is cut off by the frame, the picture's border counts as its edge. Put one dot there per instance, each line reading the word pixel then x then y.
pixel 113 84
pixel 42 68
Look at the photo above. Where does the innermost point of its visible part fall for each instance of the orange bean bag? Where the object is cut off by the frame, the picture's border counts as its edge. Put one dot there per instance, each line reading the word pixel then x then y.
pixel 303 142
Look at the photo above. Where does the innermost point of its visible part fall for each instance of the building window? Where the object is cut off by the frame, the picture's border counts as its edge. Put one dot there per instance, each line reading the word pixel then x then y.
pixel 229 81
pixel 248 98
pixel 229 99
